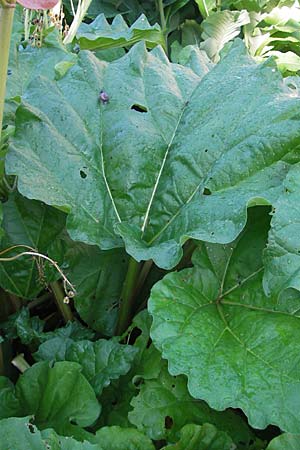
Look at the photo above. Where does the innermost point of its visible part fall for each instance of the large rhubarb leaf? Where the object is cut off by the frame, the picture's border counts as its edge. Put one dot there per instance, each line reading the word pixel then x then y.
pixel 34 224
pixel 238 347
pixel 170 156
pixel 282 256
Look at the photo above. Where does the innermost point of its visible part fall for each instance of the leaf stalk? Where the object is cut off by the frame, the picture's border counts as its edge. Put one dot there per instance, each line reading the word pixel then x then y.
pixel 127 296
pixel 60 297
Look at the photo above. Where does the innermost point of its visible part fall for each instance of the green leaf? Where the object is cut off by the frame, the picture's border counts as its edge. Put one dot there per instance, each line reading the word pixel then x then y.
pixel 117 438
pixel 285 441
pixel 31 223
pixel 25 64
pixel 9 403
pixel 98 277
pixel 237 347
pixel 101 361
pixel 282 256
pixel 20 433
pixel 99 34
pixel 205 437
pixel 163 406
pixel 206 7
pixel 220 28
pixel 57 396
pixel 148 176
pixel 30 329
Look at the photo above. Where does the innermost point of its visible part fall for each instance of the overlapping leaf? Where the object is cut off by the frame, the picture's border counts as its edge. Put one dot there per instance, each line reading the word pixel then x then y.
pixel 205 437
pixel 101 361
pixel 117 438
pixel 163 406
pixel 59 397
pixel 282 256
pixel 285 441
pixel 98 277
pixel 220 28
pixel 19 433
pixel 164 159
pixel 99 34
pixel 32 224
pixel 238 347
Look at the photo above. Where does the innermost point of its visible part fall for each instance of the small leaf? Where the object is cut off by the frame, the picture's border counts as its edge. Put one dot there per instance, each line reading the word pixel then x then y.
pixel 58 397
pixel 205 437
pixel 101 361
pixel 117 438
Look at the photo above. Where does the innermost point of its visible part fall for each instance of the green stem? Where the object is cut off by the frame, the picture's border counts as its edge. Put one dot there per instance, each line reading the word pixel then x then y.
pixel 2 368
pixel 6 22
pixel 127 297
pixel 59 296
pixel 83 6
pixel 163 22
pixel 219 5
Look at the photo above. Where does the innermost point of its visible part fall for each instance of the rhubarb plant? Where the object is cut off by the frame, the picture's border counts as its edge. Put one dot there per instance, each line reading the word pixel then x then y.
pixel 150 250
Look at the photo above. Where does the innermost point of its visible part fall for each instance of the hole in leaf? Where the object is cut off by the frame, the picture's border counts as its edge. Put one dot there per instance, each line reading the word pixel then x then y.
pixel 173 385
pixel 168 422
pixel 139 108
pixel 206 191
pixel 31 428
pixel 212 233
pixel 83 174
pixel 206 150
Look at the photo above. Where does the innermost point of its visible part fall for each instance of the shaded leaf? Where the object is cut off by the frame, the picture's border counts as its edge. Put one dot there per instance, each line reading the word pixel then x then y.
pixel 98 277
pixel 32 223
pixel 237 347
pixel 117 438
pixel 164 405
pixel 58 397
pixel 149 175
pixel 30 330
pixel 205 437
